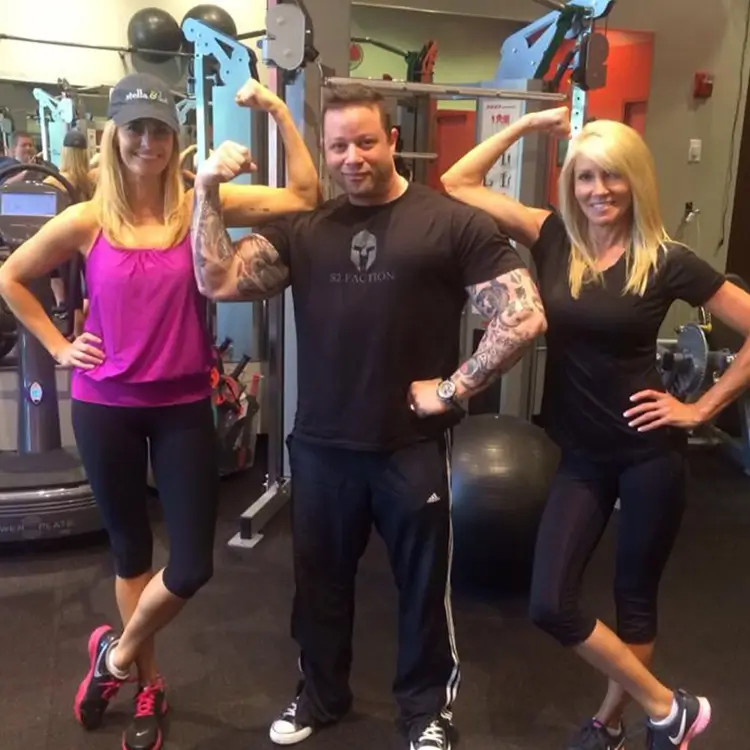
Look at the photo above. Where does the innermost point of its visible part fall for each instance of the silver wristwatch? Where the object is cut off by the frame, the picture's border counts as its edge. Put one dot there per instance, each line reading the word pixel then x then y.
pixel 446 392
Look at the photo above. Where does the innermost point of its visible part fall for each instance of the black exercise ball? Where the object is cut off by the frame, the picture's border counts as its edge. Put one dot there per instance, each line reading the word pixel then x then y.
pixel 214 17
pixel 501 471
pixel 154 29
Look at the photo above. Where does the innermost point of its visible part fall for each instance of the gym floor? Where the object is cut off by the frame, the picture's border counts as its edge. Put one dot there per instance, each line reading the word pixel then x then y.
pixel 230 663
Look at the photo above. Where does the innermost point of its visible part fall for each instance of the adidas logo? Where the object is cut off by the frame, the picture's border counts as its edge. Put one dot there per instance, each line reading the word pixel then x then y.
pixel 433 498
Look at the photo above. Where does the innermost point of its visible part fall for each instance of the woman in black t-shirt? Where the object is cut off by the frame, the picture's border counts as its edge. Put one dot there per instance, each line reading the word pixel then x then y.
pixel 608 274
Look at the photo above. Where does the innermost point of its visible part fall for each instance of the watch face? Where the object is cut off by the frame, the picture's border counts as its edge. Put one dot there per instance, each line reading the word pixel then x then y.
pixel 446 390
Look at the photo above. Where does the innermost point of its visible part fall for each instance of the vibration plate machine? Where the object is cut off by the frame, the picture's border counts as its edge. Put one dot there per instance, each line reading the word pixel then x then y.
pixel 44 492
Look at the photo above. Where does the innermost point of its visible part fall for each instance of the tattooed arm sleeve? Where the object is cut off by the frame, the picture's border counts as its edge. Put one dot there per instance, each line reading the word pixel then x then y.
pixel 516 317
pixel 249 269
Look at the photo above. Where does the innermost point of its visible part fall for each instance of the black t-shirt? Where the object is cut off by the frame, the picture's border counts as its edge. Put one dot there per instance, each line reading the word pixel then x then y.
pixel 601 348
pixel 379 292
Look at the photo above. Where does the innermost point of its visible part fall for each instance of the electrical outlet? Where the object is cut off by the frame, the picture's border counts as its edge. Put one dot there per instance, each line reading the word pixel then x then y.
pixel 694 150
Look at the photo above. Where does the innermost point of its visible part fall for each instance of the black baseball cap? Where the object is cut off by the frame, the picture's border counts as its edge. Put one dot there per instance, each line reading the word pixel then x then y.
pixel 75 139
pixel 140 96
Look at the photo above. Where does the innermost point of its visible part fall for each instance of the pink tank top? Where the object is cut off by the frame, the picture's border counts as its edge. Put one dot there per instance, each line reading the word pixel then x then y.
pixel 146 308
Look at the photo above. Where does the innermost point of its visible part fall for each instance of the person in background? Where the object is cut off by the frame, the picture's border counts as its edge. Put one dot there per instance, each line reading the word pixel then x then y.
pixel 75 168
pixel 608 273
pixel 22 151
pixel 141 371
pixel 380 277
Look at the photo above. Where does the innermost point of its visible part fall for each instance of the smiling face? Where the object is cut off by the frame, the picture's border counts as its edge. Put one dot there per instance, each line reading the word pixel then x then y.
pixel 145 146
pixel 604 196
pixel 359 152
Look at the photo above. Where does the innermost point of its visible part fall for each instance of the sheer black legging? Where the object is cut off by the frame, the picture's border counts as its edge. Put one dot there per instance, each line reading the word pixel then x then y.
pixel 652 497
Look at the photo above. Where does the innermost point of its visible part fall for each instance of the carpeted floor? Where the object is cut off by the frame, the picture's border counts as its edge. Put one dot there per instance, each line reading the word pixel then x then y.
pixel 230 663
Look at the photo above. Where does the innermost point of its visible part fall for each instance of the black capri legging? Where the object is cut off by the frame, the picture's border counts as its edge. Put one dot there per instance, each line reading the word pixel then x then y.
pixel 114 445
pixel 652 497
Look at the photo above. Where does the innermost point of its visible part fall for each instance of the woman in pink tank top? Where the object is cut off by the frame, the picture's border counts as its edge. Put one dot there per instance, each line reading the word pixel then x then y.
pixel 140 380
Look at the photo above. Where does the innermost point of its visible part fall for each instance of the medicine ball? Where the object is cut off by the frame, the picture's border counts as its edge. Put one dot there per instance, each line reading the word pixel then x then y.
pixel 154 29
pixel 501 471
pixel 214 17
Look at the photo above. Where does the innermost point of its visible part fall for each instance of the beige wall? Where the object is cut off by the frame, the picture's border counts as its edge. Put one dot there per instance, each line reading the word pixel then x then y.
pixel 690 36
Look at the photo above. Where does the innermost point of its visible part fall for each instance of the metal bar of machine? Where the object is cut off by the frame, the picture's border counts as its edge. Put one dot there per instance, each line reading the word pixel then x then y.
pixel 445 89
pixel 425 155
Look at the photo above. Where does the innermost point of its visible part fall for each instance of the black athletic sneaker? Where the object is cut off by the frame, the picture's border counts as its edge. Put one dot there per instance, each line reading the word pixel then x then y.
pixel 286 730
pixel 99 686
pixel 595 736
pixel 693 717
pixel 144 733
pixel 433 737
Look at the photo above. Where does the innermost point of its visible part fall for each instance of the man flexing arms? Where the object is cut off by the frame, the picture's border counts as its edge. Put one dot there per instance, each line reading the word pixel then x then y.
pixel 379 389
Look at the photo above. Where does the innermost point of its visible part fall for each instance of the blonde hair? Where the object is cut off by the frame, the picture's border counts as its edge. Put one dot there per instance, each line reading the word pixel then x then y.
pixel 111 201
pixel 74 166
pixel 617 148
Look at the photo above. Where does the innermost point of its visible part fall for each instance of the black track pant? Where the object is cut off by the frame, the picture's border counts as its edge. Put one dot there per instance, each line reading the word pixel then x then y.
pixel 114 443
pixel 652 496
pixel 337 496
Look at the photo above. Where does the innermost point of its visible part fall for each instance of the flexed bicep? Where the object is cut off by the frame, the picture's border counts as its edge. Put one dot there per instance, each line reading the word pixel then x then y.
pixel 248 269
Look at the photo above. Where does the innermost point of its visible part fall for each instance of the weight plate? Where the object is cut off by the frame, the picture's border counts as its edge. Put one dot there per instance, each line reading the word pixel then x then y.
pixel 690 373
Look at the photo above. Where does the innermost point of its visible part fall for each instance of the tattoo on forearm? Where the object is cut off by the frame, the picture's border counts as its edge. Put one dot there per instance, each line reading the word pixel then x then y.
pixel 212 247
pixel 513 307
pixel 247 269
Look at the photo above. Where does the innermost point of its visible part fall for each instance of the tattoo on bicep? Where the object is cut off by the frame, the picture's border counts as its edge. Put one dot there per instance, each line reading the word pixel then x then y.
pixel 508 302
pixel 510 296
pixel 260 269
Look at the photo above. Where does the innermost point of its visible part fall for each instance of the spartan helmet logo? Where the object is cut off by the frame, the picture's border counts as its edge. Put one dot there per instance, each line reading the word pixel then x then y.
pixel 364 250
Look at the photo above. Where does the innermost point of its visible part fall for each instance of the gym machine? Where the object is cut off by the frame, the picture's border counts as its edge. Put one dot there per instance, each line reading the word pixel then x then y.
pixel 419 63
pixel 691 363
pixel 44 492
pixel 528 54
pixel 290 49
pixel 6 129
pixel 56 117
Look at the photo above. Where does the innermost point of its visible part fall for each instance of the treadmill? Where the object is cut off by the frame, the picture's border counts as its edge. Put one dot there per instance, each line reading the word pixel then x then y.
pixel 44 492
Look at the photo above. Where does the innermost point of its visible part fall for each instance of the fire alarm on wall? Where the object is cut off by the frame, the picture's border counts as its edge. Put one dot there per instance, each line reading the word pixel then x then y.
pixel 703 85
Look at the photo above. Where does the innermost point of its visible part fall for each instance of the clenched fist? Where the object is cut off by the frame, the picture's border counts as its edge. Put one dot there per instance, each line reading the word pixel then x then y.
pixel 553 121
pixel 256 95
pixel 224 164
